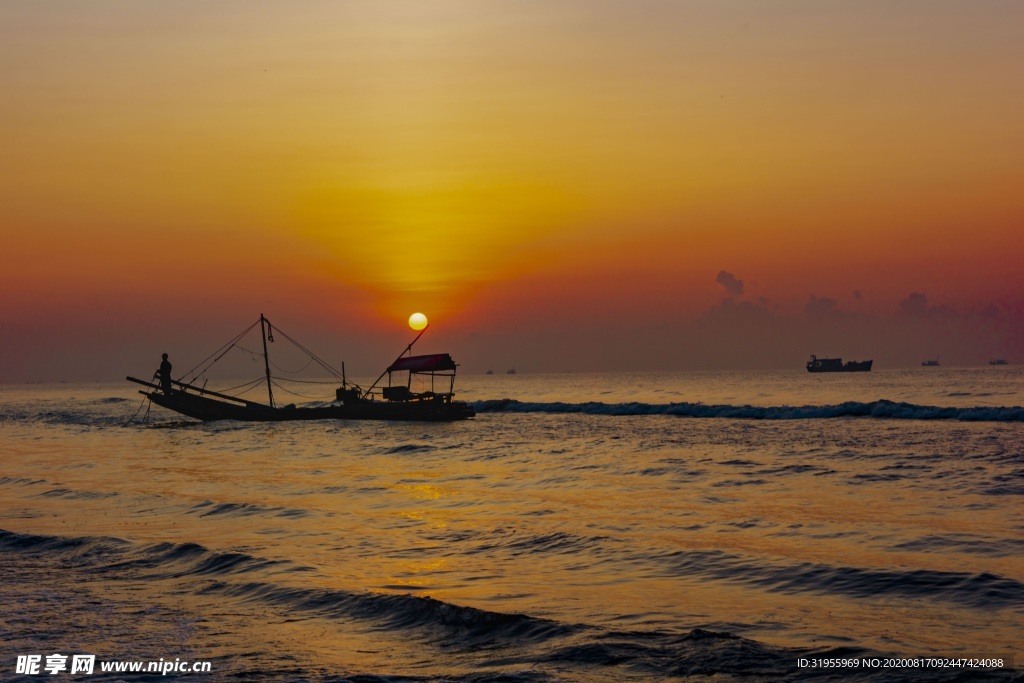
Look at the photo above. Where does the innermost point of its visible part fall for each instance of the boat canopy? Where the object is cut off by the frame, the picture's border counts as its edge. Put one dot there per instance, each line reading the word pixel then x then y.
pixel 435 362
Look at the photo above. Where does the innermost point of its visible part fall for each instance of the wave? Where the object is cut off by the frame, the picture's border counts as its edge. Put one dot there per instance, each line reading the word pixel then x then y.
pixel 408 448
pixel 503 640
pixel 964 543
pixel 487 643
pixel 883 409
pixel 80 416
pixel 982 591
pixel 208 508
pixel 424 616
pixel 555 543
pixel 155 561
pixel 21 481
pixel 72 494
pixel 80 551
pixel 442 623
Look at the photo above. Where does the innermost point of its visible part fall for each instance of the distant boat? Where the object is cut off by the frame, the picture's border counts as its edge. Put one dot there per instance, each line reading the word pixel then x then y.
pixel 998 361
pixel 510 372
pixel 930 363
pixel 816 364
pixel 489 372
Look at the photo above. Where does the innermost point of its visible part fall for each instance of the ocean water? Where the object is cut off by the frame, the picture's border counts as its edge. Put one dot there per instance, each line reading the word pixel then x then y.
pixel 583 527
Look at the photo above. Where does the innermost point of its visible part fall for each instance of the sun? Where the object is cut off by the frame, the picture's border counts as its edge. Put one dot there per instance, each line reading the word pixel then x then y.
pixel 417 321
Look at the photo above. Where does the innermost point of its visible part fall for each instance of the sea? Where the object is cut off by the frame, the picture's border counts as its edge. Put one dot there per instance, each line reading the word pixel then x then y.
pixel 701 526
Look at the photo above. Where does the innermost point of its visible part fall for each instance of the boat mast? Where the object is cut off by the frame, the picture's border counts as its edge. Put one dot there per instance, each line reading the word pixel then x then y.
pixel 266 359
pixel 408 349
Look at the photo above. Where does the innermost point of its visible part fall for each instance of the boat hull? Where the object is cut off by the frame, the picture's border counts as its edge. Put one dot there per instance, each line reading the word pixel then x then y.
pixel 210 410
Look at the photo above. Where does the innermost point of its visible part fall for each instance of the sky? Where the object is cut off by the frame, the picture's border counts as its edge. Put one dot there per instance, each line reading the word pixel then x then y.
pixel 571 186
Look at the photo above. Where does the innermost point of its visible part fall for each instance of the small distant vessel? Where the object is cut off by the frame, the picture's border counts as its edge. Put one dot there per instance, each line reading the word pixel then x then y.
pixel 511 371
pixel 393 402
pixel 489 372
pixel 930 363
pixel 998 361
pixel 816 364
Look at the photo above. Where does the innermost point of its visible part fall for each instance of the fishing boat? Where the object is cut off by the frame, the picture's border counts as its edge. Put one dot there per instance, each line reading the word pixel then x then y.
pixel 930 363
pixel 816 364
pixel 396 401
pixel 998 361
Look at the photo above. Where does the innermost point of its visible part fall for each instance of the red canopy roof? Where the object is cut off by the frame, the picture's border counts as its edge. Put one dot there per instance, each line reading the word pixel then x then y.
pixel 434 362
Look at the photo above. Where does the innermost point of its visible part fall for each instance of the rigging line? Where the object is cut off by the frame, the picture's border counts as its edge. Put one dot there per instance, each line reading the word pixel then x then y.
pixel 312 355
pixel 292 372
pixel 322 363
pixel 252 385
pixel 139 410
pixel 232 345
pixel 219 353
pixel 302 348
pixel 308 381
pixel 309 353
pixel 223 349
pixel 321 398
pixel 196 377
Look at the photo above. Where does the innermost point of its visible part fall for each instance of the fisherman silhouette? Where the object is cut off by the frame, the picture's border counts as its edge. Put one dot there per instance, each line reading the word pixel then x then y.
pixel 164 373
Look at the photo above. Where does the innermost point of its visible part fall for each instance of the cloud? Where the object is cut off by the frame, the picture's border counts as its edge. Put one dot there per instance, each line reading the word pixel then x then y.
pixel 915 304
pixel 732 285
pixel 822 306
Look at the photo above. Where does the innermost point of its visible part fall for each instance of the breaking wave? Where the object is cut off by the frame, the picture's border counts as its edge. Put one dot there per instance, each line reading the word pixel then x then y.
pixel 883 409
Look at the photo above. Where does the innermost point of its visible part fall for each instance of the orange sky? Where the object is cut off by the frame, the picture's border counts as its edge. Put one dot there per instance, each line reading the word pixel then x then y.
pixel 500 165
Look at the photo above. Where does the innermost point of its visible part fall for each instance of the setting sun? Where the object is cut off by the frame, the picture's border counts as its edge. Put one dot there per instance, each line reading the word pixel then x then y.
pixel 417 321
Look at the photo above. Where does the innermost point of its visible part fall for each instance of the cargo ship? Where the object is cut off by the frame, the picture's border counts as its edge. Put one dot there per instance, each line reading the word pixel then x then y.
pixel 816 364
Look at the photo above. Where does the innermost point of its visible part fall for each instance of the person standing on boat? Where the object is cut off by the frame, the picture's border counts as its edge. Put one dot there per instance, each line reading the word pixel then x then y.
pixel 164 373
